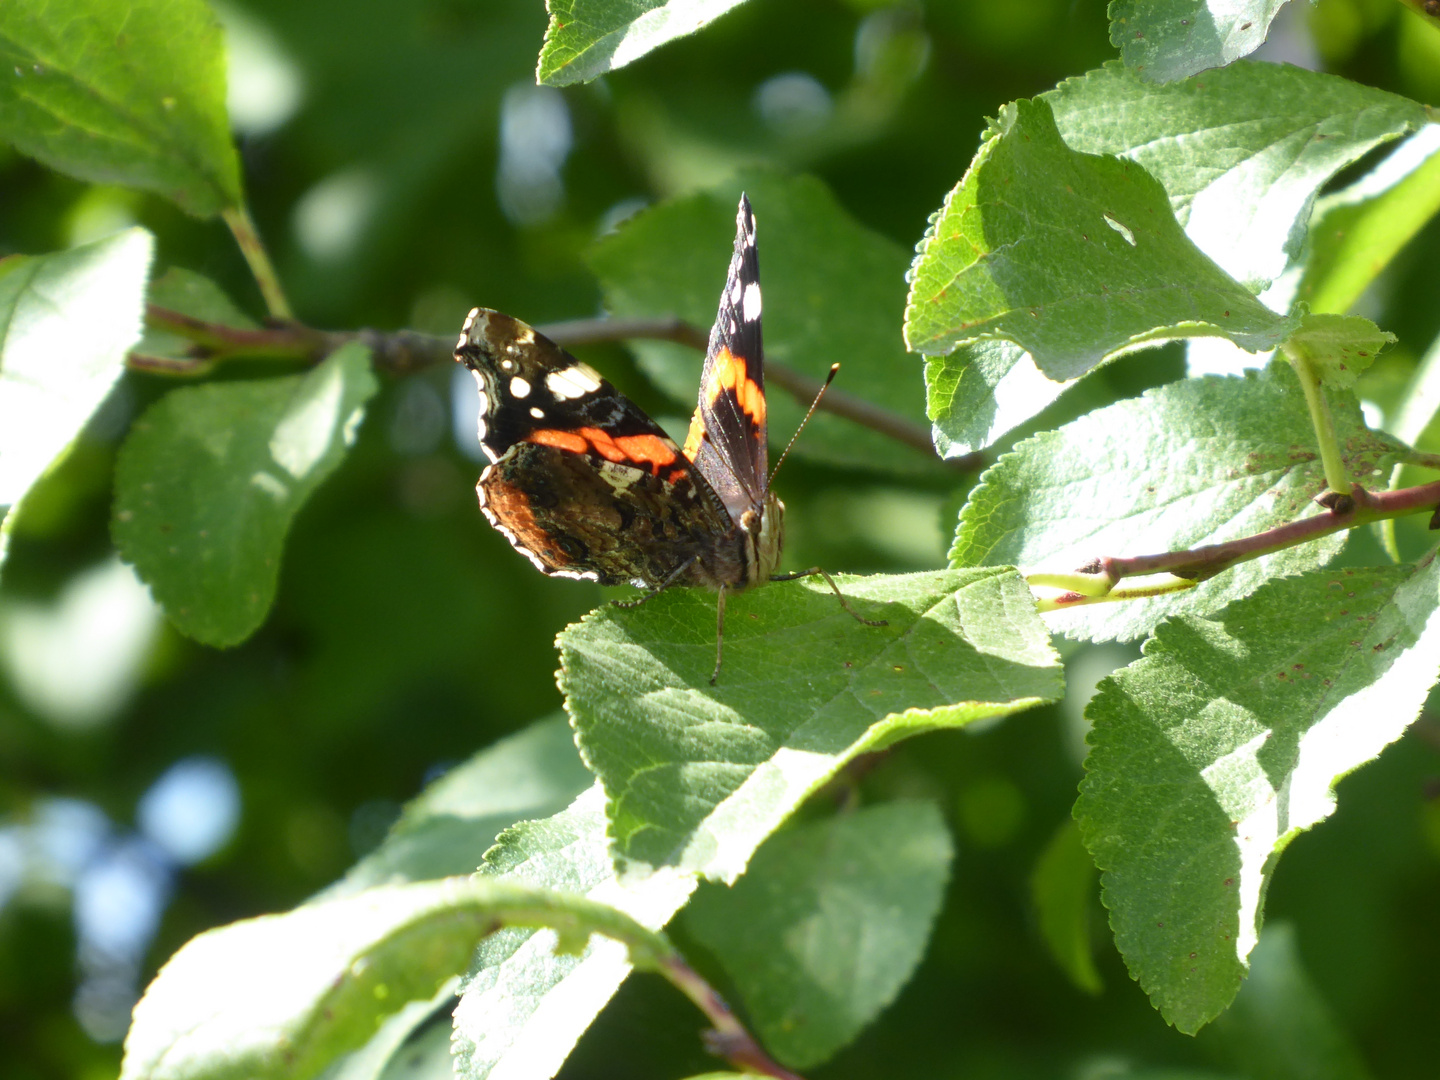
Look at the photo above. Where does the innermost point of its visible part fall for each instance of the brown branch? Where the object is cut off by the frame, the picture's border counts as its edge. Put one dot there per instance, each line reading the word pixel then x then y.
pixel 1199 564
pixel 402 352
pixel 727 1037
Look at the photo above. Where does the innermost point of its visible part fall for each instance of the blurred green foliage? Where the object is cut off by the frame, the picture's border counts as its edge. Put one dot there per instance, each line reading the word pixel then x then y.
pixel 407 634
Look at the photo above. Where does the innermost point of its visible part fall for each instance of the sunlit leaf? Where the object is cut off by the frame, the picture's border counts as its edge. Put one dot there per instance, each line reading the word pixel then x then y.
pixel 1340 347
pixel 522 1006
pixel 698 775
pixel 66 323
pixel 1196 462
pixel 1241 152
pixel 1209 754
pixel 1170 39
pixel 587 38
pixel 217 1010
pixel 1073 257
pixel 211 476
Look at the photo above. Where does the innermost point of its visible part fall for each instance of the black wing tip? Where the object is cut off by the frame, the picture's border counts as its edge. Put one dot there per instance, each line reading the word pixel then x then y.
pixel 744 224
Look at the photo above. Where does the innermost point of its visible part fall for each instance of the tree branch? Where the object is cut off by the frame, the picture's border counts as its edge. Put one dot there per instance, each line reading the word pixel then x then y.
pixel 402 352
pixel 1095 582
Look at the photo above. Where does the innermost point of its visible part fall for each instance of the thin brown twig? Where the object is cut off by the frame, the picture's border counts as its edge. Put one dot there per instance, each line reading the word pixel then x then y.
pixel 405 351
pixel 727 1037
pixel 797 384
pixel 1095 582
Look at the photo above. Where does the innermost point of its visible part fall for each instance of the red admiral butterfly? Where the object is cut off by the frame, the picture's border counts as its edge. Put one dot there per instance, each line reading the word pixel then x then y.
pixel 585 485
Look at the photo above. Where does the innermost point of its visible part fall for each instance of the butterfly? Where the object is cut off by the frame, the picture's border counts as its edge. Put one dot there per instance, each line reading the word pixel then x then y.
pixel 585 485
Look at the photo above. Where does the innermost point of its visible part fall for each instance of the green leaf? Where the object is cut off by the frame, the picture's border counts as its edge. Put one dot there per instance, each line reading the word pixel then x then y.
pixel 1280 1028
pixel 1074 257
pixel 980 392
pixel 828 923
pixel 189 293
pixel 1197 462
pixel 128 92
pixel 211 476
pixel 1241 152
pixel 217 1010
pixel 385 1053
pixel 523 1006
pixel 1170 39
pixel 66 323
pixel 450 826
pixel 698 776
pixel 1357 232
pixel 587 38
pixel 1062 888
pixel 424 1056
pixel 1225 740
pixel 1340 347
pixel 833 292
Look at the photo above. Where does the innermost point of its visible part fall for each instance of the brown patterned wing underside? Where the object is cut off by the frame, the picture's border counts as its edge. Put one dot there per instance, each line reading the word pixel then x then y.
pixel 579 515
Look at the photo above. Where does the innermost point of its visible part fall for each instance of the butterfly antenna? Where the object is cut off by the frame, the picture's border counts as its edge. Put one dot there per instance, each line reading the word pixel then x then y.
pixel 808 413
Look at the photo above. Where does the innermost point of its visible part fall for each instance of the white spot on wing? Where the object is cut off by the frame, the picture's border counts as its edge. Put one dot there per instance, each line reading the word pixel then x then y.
pixel 538 414
pixel 751 305
pixel 573 382
pixel 519 387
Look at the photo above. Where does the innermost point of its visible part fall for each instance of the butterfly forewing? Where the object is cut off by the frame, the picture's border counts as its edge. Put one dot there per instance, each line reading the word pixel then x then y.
pixel 727 439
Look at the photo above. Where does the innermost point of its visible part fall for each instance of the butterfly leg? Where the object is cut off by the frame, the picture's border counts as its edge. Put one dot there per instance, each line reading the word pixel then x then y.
pixel 719 632
pixel 833 588
pixel 670 579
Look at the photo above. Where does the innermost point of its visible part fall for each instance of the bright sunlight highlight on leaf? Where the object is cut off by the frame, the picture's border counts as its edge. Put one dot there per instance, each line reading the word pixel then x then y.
pixel 698 776
pixel 1027 248
pixel 587 38
pixel 66 323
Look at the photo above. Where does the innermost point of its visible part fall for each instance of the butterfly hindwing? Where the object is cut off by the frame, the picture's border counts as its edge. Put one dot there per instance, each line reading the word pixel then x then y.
pixel 583 482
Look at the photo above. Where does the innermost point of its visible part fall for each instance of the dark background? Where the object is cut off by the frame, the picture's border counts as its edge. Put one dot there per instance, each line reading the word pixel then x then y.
pixel 407 635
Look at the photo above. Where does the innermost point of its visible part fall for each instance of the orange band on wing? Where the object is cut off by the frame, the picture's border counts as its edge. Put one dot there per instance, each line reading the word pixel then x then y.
pixel 696 437
pixel 651 450
pixel 561 440
pixel 731 374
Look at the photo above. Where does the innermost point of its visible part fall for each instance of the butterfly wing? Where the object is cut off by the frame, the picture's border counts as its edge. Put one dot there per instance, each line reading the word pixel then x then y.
pixel 583 483
pixel 727 439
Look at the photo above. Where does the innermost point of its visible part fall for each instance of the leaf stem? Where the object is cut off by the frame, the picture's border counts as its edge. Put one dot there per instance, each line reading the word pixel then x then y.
pixel 1335 474
pixel 248 237
pixel 1096 581
pixel 727 1037
pixel 1420 459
